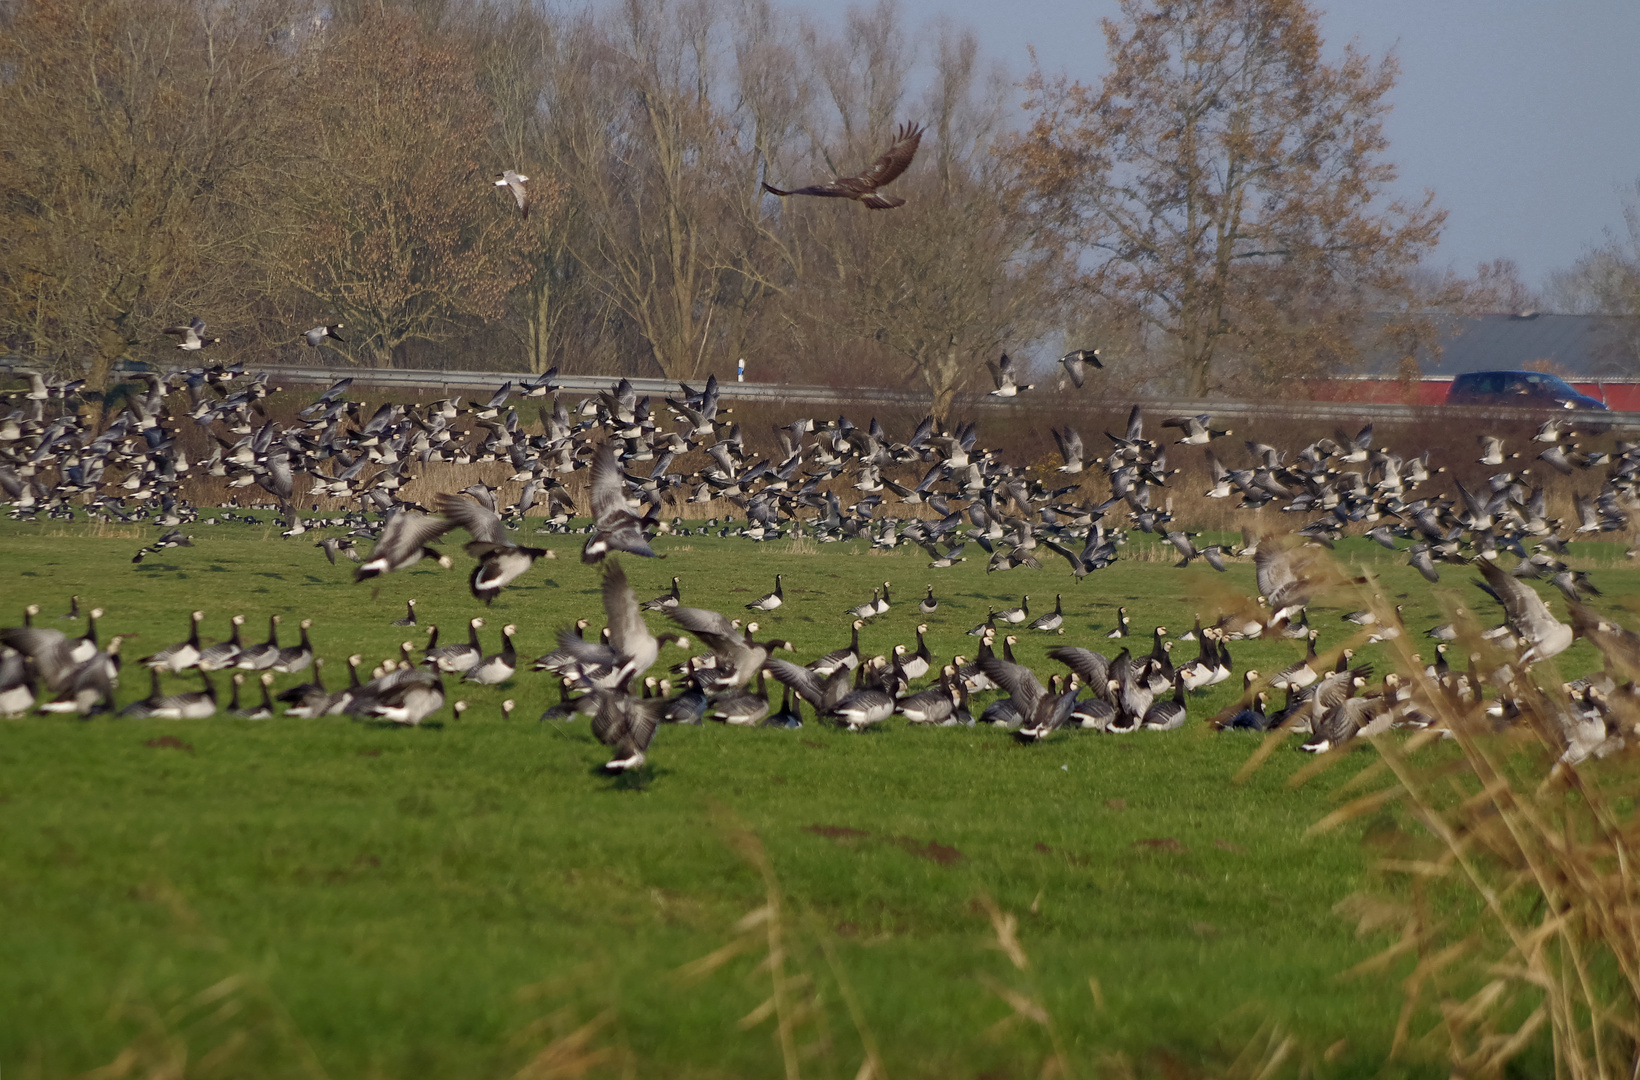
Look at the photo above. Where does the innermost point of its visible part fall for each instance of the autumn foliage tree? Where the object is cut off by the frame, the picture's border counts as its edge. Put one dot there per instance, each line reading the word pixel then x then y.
pixel 1229 184
pixel 393 225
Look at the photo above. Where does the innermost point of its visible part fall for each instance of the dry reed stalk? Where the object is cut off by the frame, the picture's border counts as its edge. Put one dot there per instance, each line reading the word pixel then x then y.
pixel 1543 849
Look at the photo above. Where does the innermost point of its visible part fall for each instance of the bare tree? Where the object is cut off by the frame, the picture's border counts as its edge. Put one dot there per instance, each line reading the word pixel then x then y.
pixel 395 225
pixel 957 274
pixel 137 135
pixel 655 165
pixel 1229 183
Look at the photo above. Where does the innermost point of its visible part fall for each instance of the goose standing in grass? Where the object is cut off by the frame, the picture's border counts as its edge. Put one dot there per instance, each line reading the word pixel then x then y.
pixel 404 543
pixel 1306 671
pixel 770 600
pixel 455 659
pixel 790 714
pixel 295 658
pixel 988 625
pixel 1050 622
pixel 867 610
pixel 928 605
pixel 920 662
pixel 1201 671
pixel 224 654
pixel 181 656
pixel 143 708
pixel 932 706
pixel 1122 627
pixel 498 668
pixel 666 601
pixel 847 658
pixel 1169 714
pixel 73 612
pixel 262 711
pixel 409 615
pixel 500 561
pixel 867 704
pixel 1018 614
pixel 192 705
pixel 1255 716
pixel 310 699
pixel 743 710
pixel 882 602
pixel 264 655
pixel 614 526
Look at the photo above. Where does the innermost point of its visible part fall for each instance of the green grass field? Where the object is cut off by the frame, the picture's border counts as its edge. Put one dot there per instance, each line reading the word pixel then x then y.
pixel 446 901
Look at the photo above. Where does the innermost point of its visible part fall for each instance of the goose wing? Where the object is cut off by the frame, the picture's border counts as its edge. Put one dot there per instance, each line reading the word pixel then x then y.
pixel 406 531
pixel 615 526
pixel 1092 667
pixel 484 524
pixel 1523 607
pixel 710 626
pixel 628 634
pixel 1017 679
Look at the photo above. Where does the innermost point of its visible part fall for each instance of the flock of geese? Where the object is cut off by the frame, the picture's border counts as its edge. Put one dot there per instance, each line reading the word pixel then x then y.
pixel 829 482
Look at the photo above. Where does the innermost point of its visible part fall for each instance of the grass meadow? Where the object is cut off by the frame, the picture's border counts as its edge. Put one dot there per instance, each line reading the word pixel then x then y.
pixel 474 898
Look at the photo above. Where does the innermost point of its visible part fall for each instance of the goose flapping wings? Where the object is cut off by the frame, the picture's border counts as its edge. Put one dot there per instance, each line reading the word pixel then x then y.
pixel 863 188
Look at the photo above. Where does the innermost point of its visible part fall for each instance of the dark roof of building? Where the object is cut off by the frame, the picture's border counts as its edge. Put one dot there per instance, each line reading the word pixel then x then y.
pixel 1579 346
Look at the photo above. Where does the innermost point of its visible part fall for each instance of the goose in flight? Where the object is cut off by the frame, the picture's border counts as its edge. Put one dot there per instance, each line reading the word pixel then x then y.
pixel 193 335
pixel 404 543
pixel 1006 378
pixel 315 337
pixel 1076 364
pixel 500 561
pixel 615 526
pixel 515 182
pixel 863 188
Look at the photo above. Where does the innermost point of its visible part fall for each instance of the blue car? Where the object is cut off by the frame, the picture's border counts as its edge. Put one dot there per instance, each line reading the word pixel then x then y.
pixel 1523 389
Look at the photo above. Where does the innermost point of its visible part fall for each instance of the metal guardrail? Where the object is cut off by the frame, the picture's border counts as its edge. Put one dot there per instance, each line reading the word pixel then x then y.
pixel 1332 411
pixel 465 382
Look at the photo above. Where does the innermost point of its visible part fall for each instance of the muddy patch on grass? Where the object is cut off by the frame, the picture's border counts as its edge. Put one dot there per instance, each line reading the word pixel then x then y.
pixel 1160 843
pixel 944 854
pixel 169 742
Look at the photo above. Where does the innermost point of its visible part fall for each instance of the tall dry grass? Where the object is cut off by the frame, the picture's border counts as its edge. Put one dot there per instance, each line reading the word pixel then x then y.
pixel 1509 887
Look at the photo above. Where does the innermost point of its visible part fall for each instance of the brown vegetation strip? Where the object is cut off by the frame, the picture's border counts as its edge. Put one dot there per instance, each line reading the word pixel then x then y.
pixel 943 854
pixel 1160 843
pixel 169 742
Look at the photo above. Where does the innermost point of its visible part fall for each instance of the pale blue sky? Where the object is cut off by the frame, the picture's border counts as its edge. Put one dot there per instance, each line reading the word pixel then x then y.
pixel 1524 117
